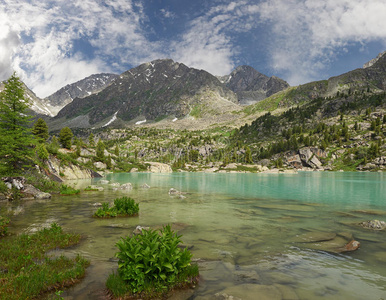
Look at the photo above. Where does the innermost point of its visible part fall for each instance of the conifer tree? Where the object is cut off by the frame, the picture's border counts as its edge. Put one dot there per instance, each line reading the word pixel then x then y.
pixel 100 150
pixel 91 141
pixel 40 130
pixel 65 137
pixel 15 136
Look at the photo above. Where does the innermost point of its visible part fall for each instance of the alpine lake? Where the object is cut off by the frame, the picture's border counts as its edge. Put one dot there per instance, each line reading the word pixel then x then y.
pixel 254 236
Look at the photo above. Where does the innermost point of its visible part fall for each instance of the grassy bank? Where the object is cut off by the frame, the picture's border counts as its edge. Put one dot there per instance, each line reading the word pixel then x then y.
pixel 26 272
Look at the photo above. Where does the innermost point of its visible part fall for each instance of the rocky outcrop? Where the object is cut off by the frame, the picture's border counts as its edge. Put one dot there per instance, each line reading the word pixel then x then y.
pixel 251 86
pixel 305 157
pixel 156 167
pixel 377 163
pixel 68 171
pixel 27 191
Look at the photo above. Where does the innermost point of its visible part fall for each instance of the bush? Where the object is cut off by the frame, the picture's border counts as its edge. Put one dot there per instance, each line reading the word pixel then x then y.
pixel 68 190
pixel 151 264
pixel 124 206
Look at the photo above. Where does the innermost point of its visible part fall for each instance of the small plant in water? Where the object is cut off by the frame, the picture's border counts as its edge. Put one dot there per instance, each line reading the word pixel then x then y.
pixel 152 264
pixel 124 206
pixel 68 190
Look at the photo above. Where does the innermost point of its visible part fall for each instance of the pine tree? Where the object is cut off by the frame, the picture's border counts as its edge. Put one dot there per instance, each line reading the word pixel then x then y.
pixel 65 137
pixel 91 140
pixel 40 130
pixel 100 150
pixel 16 139
pixel 248 155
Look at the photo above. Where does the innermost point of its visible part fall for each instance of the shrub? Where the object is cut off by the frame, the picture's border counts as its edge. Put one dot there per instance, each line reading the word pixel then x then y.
pixel 151 264
pixel 68 190
pixel 124 206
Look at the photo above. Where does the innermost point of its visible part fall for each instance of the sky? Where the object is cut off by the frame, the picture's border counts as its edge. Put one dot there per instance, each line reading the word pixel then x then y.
pixel 51 43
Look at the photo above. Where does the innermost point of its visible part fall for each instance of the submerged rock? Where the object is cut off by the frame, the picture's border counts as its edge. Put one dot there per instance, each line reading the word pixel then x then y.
pixel 145 186
pixel 126 186
pixel 350 246
pixel 314 236
pixel 175 192
pixel 374 224
pixel 327 241
pixel 252 291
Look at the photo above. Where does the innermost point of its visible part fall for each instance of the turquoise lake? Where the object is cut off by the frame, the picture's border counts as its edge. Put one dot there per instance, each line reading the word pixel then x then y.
pixel 254 236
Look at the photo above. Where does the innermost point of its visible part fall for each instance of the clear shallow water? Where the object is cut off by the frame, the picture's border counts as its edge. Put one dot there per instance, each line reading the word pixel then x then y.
pixel 246 231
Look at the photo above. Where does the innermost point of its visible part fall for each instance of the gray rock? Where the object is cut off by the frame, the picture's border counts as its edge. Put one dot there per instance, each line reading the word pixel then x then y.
pixel 126 186
pixel 145 186
pixel 30 191
pixel 374 224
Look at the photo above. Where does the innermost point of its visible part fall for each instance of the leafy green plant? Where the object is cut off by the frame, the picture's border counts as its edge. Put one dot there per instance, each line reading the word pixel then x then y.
pixel 124 206
pixel 151 264
pixel 68 190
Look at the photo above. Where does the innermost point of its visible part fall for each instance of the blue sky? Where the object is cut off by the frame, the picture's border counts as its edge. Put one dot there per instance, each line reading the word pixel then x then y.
pixel 51 43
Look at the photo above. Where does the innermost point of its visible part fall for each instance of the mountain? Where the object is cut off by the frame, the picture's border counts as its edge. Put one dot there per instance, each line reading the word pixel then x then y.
pixel 37 105
pixel 252 86
pixel 152 91
pixel 80 89
pixel 371 79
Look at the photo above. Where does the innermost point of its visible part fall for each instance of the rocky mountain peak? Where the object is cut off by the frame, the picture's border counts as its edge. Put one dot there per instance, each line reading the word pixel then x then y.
pixel 80 89
pixel 151 91
pixel 374 60
pixel 252 86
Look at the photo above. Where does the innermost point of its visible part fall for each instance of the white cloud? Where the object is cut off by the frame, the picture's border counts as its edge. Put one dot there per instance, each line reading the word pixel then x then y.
pixel 38 37
pixel 309 34
pixel 41 36
pixel 167 13
pixel 208 43
pixel 9 41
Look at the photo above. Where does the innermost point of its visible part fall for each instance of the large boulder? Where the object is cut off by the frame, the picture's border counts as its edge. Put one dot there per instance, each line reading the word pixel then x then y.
pixel 30 191
pixel 156 167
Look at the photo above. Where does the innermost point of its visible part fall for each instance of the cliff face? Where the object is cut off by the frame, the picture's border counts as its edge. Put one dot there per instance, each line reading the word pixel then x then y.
pixel 252 86
pixel 60 171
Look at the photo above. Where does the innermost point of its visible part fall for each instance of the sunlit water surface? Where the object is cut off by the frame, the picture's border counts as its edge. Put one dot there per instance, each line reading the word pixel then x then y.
pixel 245 231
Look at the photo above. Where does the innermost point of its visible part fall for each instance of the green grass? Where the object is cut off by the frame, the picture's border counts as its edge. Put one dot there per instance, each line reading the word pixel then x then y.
pixel 122 207
pixel 26 272
pixel 68 190
pixel 90 189
pixel 3 226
